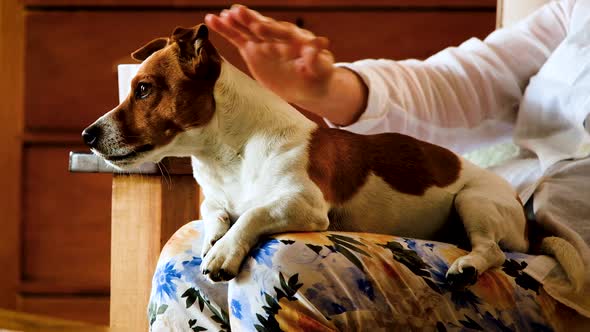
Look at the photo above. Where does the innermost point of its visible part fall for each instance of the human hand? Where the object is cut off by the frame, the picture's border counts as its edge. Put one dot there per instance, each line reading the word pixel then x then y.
pixel 292 62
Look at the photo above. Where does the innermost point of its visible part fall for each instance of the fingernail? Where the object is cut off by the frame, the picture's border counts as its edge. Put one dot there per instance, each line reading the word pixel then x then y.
pixel 235 8
pixel 309 49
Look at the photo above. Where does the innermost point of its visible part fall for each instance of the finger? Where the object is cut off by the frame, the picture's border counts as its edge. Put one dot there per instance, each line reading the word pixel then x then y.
pixel 315 56
pixel 264 27
pixel 235 37
pixel 304 32
pixel 324 63
pixel 321 43
pixel 231 20
pixel 286 50
pixel 308 55
pixel 270 49
pixel 247 16
pixel 279 31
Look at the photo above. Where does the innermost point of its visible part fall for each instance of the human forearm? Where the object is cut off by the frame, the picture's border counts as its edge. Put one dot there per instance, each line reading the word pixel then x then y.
pixel 463 96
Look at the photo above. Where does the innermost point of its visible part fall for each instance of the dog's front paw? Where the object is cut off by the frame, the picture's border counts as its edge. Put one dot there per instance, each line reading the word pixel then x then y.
pixel 223 260
pixel 208 242
pixel 461 274
pixel 214 230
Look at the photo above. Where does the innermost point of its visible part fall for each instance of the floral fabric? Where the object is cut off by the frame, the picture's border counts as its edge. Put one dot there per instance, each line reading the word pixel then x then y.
pixel 335 281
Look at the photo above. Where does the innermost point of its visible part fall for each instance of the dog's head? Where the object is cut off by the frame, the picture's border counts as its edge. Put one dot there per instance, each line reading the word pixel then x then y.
pixel 171 94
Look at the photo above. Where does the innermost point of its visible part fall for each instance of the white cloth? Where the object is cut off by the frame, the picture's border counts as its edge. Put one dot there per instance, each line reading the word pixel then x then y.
pixel 529 83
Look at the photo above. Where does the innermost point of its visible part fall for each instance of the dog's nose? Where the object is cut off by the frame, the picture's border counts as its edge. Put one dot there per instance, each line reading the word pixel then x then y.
pixel 90 136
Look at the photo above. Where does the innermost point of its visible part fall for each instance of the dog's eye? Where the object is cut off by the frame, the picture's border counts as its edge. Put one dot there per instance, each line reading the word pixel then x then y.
pixel 142 90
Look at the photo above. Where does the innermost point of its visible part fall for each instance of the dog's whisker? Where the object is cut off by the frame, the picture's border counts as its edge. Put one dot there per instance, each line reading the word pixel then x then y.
pixel 168 175
pixel 164 177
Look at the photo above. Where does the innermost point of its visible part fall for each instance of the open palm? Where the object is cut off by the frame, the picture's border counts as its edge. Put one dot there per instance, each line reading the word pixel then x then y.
pixel 290 61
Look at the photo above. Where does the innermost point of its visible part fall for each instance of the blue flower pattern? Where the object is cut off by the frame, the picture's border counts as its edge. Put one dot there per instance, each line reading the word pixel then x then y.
pixel 236 309
pixel 264 252
pixel 164 279
pixel 191 268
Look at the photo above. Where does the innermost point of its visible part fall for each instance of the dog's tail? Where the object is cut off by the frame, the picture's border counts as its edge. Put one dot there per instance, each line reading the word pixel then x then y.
pixel 568 257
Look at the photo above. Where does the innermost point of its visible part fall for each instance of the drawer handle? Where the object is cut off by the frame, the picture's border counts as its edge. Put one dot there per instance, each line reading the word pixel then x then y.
pixel 299 22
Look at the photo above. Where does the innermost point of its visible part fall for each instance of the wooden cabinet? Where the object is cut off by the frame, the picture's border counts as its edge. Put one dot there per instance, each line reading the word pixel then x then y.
pixel 66 233
pixel 72 48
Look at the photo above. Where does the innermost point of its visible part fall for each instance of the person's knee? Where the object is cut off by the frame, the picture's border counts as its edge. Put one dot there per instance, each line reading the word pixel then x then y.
pixel 186 238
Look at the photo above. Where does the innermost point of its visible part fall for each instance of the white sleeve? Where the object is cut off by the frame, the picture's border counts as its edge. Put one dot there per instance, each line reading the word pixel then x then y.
pixel 462 97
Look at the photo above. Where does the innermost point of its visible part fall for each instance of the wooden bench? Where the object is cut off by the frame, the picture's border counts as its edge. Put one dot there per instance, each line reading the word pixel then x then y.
pixel 148 205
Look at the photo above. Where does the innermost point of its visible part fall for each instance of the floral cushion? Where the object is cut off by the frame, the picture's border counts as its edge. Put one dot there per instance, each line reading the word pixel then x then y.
pixel 345 281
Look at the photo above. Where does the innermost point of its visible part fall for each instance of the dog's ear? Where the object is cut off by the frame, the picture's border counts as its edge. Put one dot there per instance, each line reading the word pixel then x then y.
pixel 149 48
pixel 196 50
pixel 190 40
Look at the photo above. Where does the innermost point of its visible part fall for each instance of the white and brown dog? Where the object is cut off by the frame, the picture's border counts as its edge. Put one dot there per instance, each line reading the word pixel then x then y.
pixel 264 168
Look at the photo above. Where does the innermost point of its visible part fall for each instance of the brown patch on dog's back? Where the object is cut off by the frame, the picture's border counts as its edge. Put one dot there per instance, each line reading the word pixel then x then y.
pixel 340 162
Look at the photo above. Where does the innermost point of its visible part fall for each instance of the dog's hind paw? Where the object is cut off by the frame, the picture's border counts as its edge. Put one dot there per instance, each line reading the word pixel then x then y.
pixel 460 280
pixel 465 269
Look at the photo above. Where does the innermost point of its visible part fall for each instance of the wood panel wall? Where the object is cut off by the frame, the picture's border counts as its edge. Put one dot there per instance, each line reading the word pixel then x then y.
pixel 11 112
pixel 57 238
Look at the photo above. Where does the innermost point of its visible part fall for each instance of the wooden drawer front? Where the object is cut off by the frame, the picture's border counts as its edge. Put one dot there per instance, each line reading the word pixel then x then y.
pixel 87 309
pixel 72 56
pixel 66 226
pixel 274 3
pixel 393 35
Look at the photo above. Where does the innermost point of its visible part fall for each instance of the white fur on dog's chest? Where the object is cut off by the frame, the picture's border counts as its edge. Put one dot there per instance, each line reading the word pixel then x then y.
pixel 260 174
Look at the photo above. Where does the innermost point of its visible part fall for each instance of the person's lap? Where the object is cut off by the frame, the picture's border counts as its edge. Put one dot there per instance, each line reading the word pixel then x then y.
pixel 343 281
pixel 563 197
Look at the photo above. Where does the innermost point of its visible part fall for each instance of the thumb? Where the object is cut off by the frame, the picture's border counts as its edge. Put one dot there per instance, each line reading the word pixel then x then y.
pixel 318 63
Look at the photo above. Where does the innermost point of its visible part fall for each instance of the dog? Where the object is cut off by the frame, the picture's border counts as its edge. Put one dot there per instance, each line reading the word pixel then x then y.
pixel 264 168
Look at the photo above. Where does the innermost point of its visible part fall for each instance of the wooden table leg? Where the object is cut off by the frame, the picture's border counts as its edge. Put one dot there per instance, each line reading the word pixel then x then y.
pixel 146 211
